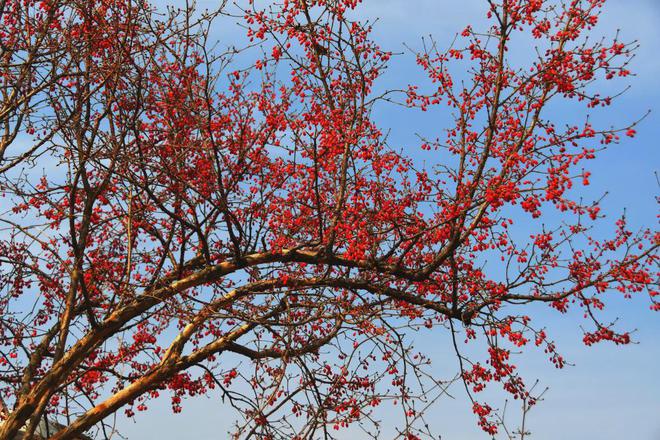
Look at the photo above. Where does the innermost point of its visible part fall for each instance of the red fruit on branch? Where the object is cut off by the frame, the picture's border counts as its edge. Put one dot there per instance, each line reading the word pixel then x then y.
pixel 250 232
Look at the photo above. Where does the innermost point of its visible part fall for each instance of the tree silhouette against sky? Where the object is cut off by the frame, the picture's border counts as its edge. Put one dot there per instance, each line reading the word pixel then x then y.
pixel 181 219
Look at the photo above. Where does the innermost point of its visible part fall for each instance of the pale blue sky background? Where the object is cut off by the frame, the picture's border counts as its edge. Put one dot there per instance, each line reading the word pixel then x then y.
pixel 612 393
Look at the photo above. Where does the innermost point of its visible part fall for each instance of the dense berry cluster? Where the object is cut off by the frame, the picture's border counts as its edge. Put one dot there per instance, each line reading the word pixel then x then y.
pixel 211 224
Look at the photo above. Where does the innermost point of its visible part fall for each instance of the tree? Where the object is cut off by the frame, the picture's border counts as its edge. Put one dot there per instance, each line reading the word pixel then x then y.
pixel 203 222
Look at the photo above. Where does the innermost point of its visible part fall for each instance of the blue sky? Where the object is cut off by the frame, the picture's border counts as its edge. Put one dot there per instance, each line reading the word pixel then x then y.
pixel 610 392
